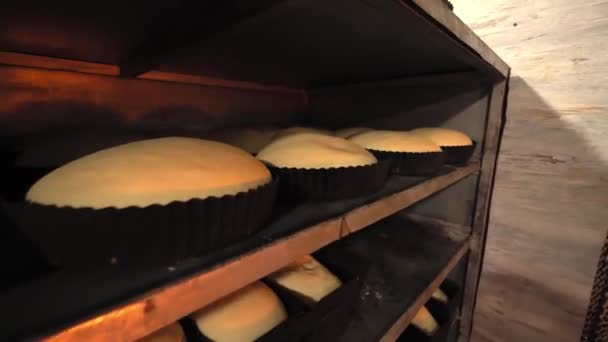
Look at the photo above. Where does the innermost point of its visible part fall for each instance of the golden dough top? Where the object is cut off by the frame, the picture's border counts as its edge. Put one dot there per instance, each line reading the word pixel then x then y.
pixel 315 151
pixel 444 136
pixel 425 321
pixel 244 315
pixel 395 141
pixel 440 296
pixel 307 277
pixel 250 139
pixel 298 130
pixel 350 131
pixel 157 171
pixel 170 333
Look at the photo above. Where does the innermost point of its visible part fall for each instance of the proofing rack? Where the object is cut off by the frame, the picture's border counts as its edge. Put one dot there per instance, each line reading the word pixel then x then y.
pixel 386 64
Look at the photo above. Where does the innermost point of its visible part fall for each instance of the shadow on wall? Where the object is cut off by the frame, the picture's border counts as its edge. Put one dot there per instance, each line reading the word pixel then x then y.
pixel 52 133
pixel 40 117
pixel 46 117
pixel 547 224
pixel 178 120
pixel 338 108
pixel 428 107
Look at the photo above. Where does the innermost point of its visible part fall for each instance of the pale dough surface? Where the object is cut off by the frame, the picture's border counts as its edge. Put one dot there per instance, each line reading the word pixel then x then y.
pixel 395 141
pixel 170 333
pixel 315 151
pixel 297 130
pixel 444 136
pixel 350 131
pixel 242 316
pixel 307 277
pixel 157 171
pixel 250 139
pixel 425 321
pixel 440 296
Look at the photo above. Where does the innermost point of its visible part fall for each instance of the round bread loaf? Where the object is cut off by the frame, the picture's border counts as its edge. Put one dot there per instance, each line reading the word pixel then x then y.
pixel 250 139
pixel 308 278
pixel 297 130
pixel 394 141
pixel 425 322
pixel 170 333
pixel 315 151
pixel 444 136
pixel 349 132
pixel 440 296
pixel 242 316
pixel 157 171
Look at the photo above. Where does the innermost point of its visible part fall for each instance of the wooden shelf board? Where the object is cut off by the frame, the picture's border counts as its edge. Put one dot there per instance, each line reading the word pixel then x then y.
pixel 61 64
pixel 371 43
pixel 162 306
pixel 402 323
pixel 239 40
pixel 409 261
pixel 453 25
pixel 364 216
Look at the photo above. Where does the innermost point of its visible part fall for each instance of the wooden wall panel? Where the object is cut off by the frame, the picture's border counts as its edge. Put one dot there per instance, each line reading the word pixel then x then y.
pixel 549 216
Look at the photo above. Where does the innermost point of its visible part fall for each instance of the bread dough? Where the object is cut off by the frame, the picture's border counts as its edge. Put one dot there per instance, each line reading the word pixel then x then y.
pixel 349 132
pixel 170 333
pixel 425 322
pixel 395 141
pixel 242 316
pixel 157 171
pixel 307 277
pixel 444 136
pixel 297 130
pixel 440 296
pixel 250 139
pixel 315 151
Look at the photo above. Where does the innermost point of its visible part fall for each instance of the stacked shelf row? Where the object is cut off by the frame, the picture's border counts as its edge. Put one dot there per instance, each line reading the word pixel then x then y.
pixel 121 305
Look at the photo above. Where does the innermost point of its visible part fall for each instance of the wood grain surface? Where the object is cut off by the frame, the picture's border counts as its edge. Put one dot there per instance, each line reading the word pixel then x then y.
pixel 34 100
pixel 549 216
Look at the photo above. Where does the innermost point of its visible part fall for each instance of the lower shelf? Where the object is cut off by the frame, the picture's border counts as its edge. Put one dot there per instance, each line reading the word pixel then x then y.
pixel 409 262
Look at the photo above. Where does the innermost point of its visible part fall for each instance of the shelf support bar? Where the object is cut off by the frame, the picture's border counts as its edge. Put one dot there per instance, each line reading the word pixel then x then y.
pixel 494 126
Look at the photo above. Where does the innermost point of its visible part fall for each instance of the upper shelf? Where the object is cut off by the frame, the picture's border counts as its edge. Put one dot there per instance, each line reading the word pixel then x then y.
pixel 66 299
pixel 295 43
